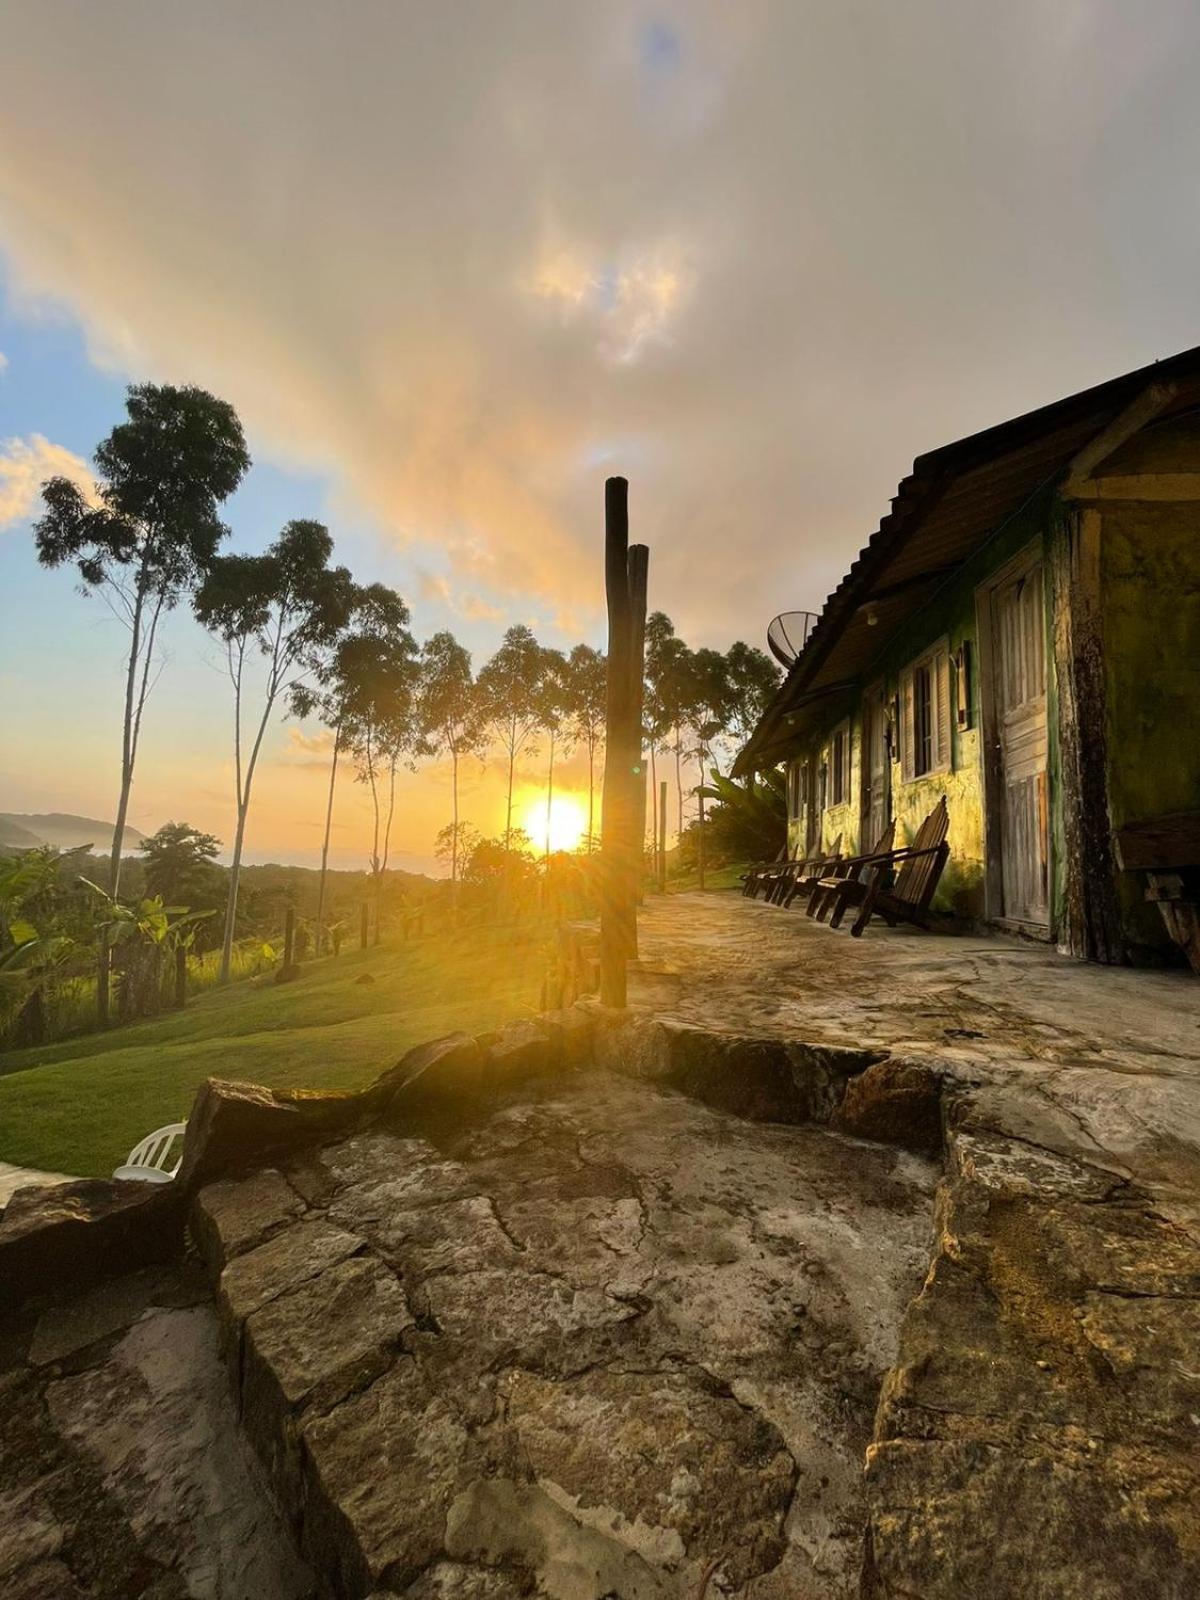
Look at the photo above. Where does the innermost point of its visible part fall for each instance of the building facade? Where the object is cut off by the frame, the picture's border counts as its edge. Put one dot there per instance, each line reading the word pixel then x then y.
pixel 1022 636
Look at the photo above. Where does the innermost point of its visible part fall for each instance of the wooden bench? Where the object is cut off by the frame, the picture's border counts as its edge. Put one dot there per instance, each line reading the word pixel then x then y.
pixel 1167 850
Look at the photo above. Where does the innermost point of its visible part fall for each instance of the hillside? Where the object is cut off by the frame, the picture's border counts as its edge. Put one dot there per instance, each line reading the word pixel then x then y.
pixel 63 830
pixel 80 1106
pixel 14 837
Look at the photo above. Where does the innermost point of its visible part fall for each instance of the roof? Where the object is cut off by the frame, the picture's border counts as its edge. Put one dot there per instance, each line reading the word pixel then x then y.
pixel 950 502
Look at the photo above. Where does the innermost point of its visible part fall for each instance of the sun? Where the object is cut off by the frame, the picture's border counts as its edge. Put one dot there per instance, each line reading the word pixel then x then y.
pixel 568 822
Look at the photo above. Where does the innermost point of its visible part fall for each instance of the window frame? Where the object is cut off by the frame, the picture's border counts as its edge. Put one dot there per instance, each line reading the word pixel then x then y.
pixel 840 772
pixel 935 662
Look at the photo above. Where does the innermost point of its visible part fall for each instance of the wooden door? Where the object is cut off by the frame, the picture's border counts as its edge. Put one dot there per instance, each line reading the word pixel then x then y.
pixel 876 769
pixel 1019 698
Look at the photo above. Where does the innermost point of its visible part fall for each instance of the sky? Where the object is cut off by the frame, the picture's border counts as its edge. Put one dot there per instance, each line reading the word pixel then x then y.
pixel 455 264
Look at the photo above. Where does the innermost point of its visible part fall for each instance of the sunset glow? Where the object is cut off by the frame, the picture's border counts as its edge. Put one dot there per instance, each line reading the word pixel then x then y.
pixel 568 822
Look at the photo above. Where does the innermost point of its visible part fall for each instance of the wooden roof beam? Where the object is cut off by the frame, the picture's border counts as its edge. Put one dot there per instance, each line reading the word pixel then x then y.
pixel 1132 420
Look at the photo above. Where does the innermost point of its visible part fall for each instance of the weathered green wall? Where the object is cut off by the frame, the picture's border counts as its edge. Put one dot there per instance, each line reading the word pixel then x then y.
pixel 1150 611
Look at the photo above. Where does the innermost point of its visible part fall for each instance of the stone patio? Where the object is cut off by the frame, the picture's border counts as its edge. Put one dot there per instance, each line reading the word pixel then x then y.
pixel 832 1268
pixel 604 1341
pixel 1040 1433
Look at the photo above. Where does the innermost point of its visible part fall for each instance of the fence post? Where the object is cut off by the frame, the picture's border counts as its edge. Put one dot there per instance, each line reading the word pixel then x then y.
pixel 180 976
pixel 363 928
pixel 289 938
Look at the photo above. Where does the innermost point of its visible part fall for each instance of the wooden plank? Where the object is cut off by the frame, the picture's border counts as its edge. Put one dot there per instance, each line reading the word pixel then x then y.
pixel 1161 843
pixel 1110 439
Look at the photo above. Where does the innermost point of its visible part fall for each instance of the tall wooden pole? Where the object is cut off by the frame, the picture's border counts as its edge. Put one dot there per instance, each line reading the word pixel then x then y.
pixel 638 567
pixel 623 570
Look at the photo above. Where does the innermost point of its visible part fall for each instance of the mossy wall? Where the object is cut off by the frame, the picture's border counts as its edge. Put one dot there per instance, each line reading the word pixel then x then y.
pixel 1150 610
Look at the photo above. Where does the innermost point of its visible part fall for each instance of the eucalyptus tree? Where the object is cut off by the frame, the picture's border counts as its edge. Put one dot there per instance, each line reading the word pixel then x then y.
pixel 751 679
pixel 374 696
pixel 337 689
pixel 149 534
pixel 553 709
pixel 450 717
pixel 586 682
pixel 510 702
pixel 288 606
pixel 667 701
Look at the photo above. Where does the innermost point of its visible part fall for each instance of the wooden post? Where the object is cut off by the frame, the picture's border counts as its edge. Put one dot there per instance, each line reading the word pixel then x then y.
pixel 289 938
pixel 662 837
pixel 363 925
pixel 180 976
pixel 618 817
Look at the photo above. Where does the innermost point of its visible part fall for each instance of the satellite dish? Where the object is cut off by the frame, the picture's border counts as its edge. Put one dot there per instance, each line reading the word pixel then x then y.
pixel 788 634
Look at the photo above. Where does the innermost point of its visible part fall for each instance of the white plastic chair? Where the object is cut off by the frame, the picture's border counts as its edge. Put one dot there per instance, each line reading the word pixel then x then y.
pixel 148 1160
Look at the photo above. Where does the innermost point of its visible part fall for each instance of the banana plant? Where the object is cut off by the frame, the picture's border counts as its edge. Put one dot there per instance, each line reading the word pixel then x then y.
pixel 749 820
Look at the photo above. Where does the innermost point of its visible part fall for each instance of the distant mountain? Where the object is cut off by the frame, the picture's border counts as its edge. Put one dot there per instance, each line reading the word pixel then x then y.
pixel 63 831
pixel 14 837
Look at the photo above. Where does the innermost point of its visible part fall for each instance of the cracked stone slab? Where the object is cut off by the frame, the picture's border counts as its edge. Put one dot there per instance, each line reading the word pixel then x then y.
pixel 499 1520
pixel 290 1258
pixel 456 1236
pixel 512 1315
pixel 661 1462
pixel 382 1471
pixel 309 1348
pixel 688 1312
pixel 157 1420
pixel 233 1216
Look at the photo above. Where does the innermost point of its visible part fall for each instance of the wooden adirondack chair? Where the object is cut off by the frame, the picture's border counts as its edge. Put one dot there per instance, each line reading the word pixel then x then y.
pixel 919 867
pixel 752 881
pixel 821 898
pixel 783 890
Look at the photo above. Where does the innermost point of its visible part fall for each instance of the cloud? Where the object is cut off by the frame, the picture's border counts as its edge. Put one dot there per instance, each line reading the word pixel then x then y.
pixel 471 258
pixel 3 361
pixel 25 464
pixel 435 586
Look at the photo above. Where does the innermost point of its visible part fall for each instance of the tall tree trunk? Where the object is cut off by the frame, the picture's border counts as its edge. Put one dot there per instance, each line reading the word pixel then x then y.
pixel 512 757
pixel 387 829
pixel 454 829
pixel 591 792
pixel 118 839
pixel 244 786
pixel 549 794
pixel 654 806
pixel 375 835
pixel 700 815
pixel 235 872
pixel 679 780
pixel 320 935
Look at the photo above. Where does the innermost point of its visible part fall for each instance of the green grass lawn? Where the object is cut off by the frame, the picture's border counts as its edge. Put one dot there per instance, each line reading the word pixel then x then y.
pixel 726 876
pixel 79 1106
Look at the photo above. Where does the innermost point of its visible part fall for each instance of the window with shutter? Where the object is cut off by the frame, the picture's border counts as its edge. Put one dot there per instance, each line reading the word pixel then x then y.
pixel 838 758
pixel 941 685
pixel 925 745
pixel 907 728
